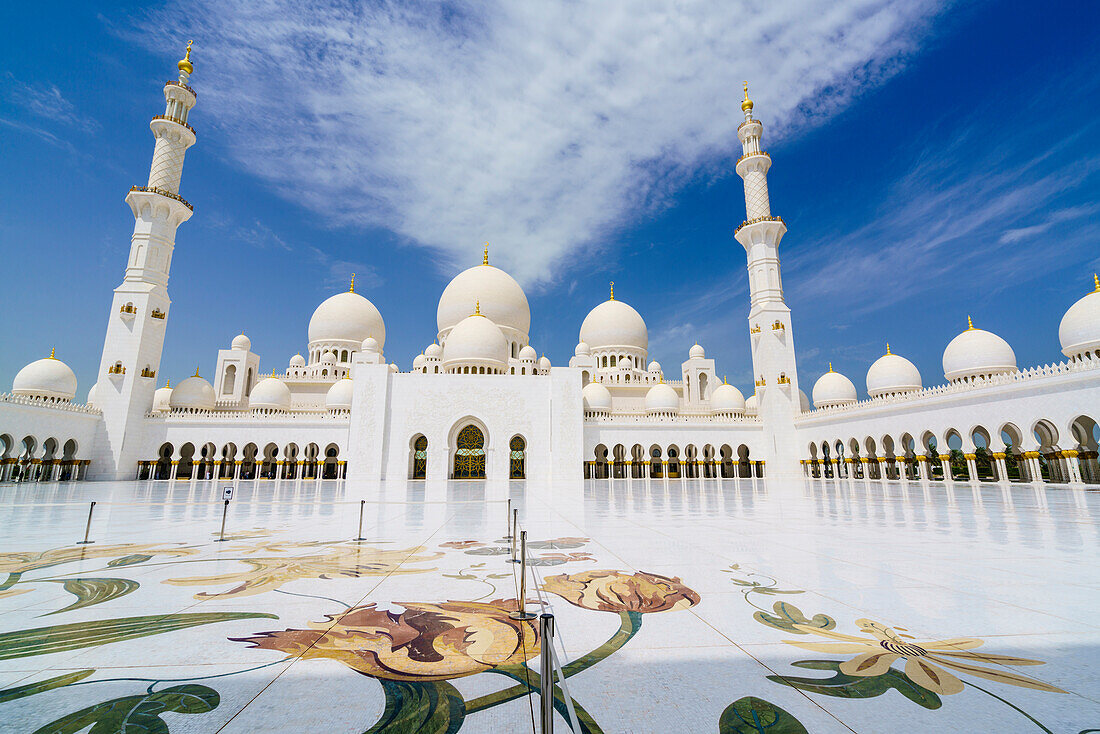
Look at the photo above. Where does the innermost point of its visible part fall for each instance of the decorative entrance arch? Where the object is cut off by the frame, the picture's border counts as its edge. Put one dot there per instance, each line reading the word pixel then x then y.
pixel 517 468
pixel 470 453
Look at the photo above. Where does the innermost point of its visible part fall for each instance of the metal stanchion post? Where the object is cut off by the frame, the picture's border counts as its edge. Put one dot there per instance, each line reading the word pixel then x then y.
pixel 521 612
pixel 546 635
pixel 515 535
pixel 362 504
pixel 225 511
pixel 509 535
pixel 88 527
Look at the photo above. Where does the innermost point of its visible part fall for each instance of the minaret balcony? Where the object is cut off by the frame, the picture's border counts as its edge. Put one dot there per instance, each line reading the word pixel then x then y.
pixel 157 314
pixel 163 192
pixel 128 311
pixel 176 120
pixel 181 85
pixel 755 153
pixel 757 220
pixel 148 372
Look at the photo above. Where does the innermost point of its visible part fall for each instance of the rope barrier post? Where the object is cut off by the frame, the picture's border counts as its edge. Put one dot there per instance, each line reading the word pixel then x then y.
pixel 88 527
pixel 515 535
pixel 362 504
pixel 521 612
pixel 546 635
pixel 509 535
pixel 225 511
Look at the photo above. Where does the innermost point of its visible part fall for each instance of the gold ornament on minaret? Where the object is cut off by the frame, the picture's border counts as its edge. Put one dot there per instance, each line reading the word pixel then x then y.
pixel 185 63
pixel 485 256
pixel 746 105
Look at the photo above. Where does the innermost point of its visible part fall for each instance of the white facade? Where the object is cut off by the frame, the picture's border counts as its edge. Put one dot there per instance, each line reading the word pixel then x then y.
pixel 480 403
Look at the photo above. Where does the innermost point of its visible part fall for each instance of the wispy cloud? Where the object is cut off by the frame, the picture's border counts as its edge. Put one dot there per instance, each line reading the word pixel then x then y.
pixel 260 235
pixel 338 272
pixel 540 127
pixel 44 101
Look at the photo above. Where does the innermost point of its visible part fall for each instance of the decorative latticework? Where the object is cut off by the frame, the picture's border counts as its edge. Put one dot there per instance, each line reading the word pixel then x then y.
pixel 420 458
pixel 518 448
pixel 470 454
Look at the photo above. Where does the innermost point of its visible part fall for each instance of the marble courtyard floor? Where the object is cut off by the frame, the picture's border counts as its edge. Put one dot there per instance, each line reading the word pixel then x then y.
pixel 682 606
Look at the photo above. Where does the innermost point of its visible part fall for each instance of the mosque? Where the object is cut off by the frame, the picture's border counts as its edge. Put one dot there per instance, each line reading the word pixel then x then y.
pixel 480 403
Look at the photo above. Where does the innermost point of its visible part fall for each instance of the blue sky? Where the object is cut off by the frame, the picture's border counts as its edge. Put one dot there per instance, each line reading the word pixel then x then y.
pixel 931 162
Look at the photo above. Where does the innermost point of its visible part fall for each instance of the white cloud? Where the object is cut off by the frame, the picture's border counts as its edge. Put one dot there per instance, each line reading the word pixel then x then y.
pixel 537 126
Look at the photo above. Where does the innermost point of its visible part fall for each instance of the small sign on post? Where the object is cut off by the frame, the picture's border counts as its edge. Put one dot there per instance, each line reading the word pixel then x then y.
pixel 227 493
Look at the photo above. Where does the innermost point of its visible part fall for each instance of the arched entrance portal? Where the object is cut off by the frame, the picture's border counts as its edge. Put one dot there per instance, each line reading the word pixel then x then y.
pixel 470 454
pixel 518 454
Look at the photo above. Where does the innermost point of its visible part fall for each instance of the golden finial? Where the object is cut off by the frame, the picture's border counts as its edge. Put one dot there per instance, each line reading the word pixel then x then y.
pixel 887 347
pixel 969 323
pixel 1096 280
pixel 612 290
pixel 485 256
pixel 185 63
pixel 830 366
pixel 168 383
pixel 196 370
pixel 724 380
pixel 51 353
pixel 351 288
pixel 746 106
pixel 477 308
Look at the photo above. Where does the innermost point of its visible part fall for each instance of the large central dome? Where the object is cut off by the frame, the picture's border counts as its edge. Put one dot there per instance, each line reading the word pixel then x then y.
pixel 346 317
pixel 614 324
pixel 497 295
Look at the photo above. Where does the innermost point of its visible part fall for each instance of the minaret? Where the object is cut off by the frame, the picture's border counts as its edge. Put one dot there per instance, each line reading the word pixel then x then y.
pixel 769 317
pixel 139 311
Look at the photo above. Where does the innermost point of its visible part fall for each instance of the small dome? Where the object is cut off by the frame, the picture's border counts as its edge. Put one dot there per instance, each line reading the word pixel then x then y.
pixel 727 399
pixel 654 366
pixel 418 361
pixel 162 399
pixel 803 401
pixel 339 395
pixel 297 361
pixel 751 404
pixel 45 378
pixel 977 353
pixel 833 388
pixel 91 396
pixel 194 393
pixel 528 354
pixel 346 317
pixel 370 345
pixel 328 358
pixel 661 398
pixel 434 351
pixel 1079 331
pixel 596 397
pixel 270 393
pixel 892 374
pixel 544 364
pixel 241 343
pixel 394 368
pixel 476 340
pixel 614 324
pixel 495 293
pixel 696 352
pixel 582 349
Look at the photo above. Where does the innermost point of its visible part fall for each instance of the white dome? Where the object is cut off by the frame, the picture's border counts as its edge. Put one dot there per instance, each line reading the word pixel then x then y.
pixel 495 293
pixel 582 349
pixel 434 351
pixel 1079 331
pixel 596 397
pixel 476 340
pixel 803 401
pixel 528 354
pixel 614 324
pixel 696 352
pixel 46 378
pixel 370 345
pixel 270 394
pixel 833 388
pixel 544 364
pixel 892 374
pixel 91 396
pixel 241 342
pixel 977 353
pixel 654 366
pixel 394 368
pixel 751 404
pixel 727 399
pixel 346 317
pixel 339 395
pixel 328 358
pixel 418 361
pixel 297 361
pixel 162 398
pixel 661 398
pixel 194 393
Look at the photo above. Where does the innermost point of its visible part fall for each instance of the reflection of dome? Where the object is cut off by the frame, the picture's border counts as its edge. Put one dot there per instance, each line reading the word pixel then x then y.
pixel 596 398
pixel 45 378
pixel 977 353
pixel 270 394
pixel 241 342
pixel 661 398
pixel 496 294
pixel 696 352
pixel 477 342
pixel 297 361
pixel 528 354
pixel 1079 331
pixel 751 404
pixel 339 395
pixel 614 324
pixel 162 398
pixel 582 349
pixel 892 374
pixel 194 393
pixel 833 388
pixel 346 317
pixel 727 399
pixel 434 351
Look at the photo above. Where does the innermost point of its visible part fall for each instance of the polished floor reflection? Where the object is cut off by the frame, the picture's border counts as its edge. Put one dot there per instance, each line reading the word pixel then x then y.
pixel 681 605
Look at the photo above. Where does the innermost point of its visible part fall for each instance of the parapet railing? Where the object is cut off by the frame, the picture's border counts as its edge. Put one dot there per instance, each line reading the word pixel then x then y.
pixel 595 416
pixel 49 403
pixel 163 192
pixel 176 120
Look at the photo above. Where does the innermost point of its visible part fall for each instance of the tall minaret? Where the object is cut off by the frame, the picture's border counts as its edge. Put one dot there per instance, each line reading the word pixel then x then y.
pixel 139 310
pixel 769 317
